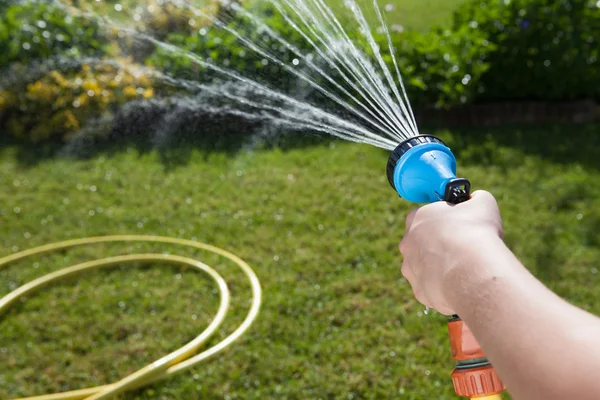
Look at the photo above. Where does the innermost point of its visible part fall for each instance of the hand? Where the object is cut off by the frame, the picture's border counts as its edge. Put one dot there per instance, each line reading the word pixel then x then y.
pixel 442 239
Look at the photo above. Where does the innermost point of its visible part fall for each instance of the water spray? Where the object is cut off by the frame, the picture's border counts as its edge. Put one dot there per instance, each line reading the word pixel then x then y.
pixel 422 169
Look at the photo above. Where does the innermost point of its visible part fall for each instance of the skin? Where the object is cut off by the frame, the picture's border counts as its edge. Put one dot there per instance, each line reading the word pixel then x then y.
pixel 457 263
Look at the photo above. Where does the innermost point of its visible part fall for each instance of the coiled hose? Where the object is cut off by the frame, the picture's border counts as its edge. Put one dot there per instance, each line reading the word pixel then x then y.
pixel 173 363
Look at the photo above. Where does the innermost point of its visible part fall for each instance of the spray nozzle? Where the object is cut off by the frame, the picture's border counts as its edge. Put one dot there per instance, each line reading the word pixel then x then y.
pixel 422 169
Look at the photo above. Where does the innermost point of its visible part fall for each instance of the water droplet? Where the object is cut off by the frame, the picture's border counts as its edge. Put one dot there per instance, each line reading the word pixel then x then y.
pixel 17 210
pixel 392 354
pixel 134 284
pixel 178 276
pixel 93 188
pixel 36 265
pixel 276 258
pixel 188 200
pixel 427 372
pixel 140 224
pixel 15 249
pixel 594 271
pixel 196 376
pixel 580 216
pixel 121 304
pixel 547 63
pixel 264 62
pixel 202 32
pixel 194 317
pixel 426 311
pixel 321 227
pixel 46 35
pixel 397 28
pixel 118 7
pixel 26 46
pixel 27 235
pixel 389 7
pixel 41 24
pixel 295 61
pixel 66 201
pixel 92 213
pixel 290 177
pixel 17 183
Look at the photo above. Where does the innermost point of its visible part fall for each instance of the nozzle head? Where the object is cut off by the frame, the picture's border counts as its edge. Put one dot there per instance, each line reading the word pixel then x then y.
pixel 421 170
pixel 403 148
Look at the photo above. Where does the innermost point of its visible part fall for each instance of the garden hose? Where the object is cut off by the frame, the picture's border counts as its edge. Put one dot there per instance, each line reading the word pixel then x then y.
pixel 175 362
pixel 422 169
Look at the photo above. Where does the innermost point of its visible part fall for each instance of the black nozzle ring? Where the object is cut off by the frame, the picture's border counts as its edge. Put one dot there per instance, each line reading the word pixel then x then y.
pixel 403 148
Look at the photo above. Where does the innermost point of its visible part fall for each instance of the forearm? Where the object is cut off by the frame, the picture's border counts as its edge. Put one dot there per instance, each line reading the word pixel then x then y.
pixel 542 347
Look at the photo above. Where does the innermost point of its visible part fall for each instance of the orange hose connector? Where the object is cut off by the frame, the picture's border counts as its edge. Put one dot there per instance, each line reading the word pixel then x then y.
pixel 474 376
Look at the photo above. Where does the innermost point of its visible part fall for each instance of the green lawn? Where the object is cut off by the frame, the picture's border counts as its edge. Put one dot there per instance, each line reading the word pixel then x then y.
pixel 320 226
pixel 411 14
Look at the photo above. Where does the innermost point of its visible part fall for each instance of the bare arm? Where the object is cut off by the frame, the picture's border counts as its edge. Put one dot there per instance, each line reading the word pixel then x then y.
pixel 542 347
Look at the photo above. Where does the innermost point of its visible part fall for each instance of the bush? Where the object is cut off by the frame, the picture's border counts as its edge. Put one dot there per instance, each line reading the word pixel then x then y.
pixel 36 30
pixel 441 68
pixel 216 45
pixel 60 103
pixel 544 49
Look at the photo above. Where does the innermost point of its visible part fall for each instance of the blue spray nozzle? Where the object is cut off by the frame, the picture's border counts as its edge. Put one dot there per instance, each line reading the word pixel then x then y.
pixel 423 170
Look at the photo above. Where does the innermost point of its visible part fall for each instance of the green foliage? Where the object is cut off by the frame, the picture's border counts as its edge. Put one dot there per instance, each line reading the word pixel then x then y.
pixel 35 30
pixel 219 46
pixel 545 49
pixel 442 67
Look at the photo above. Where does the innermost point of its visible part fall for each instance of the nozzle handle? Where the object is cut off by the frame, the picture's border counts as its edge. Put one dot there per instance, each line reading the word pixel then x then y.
pixel 458 191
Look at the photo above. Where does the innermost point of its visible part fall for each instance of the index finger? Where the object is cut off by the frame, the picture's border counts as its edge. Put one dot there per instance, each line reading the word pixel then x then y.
pixel 410 218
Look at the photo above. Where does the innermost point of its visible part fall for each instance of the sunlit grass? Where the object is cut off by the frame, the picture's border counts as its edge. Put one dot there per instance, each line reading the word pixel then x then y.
pixel 320 226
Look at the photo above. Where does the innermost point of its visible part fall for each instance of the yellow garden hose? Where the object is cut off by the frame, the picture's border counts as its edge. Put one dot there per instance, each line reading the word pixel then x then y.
pixel 175 362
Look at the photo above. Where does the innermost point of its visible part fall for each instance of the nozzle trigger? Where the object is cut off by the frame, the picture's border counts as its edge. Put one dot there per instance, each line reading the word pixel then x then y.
pixel 458 191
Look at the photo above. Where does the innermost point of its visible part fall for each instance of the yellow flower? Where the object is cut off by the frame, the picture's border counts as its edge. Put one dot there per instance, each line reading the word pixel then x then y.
pixel 71 122
pixel 82 99
pixel 130 92
pixel 148 93
pixel 92 85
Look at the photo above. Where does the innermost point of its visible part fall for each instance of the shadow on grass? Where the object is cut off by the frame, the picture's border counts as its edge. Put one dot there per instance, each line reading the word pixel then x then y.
pixel 222 135
pixel 563 144
pixel 176 140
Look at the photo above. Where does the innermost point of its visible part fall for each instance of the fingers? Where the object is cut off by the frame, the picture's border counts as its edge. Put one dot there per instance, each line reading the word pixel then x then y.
pixel 410 218
pixel 409 274
pixel 484 197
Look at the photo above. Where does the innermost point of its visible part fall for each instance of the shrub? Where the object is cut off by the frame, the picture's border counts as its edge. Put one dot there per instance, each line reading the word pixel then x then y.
pixel 441 68
pixel 60 103
pixel 544 49
pixel 36 30
pixel 216 45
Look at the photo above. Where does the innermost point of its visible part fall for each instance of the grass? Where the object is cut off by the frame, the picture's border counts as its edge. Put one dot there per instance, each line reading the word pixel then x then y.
pixel 319 225
pixel 411 14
